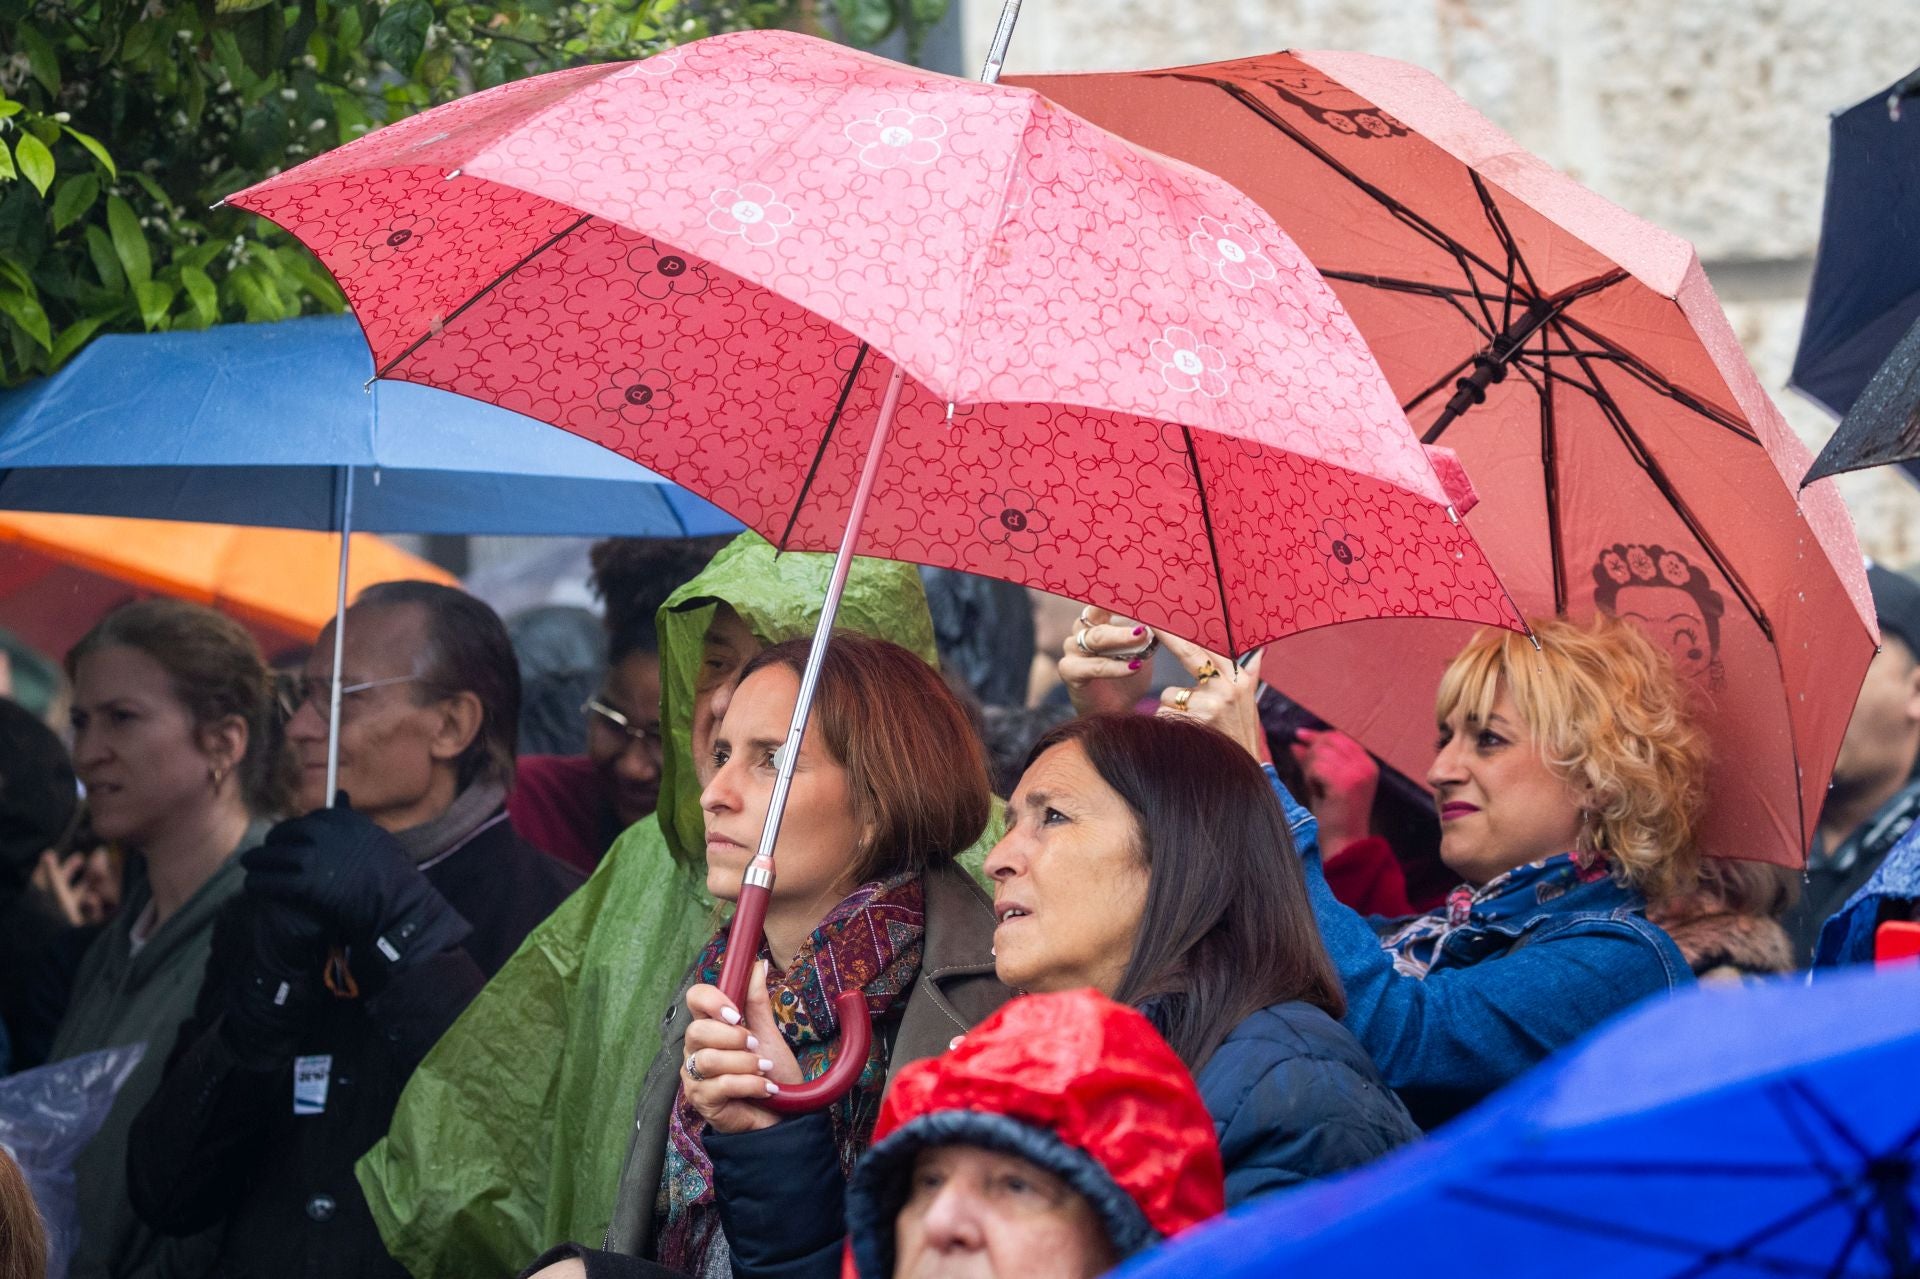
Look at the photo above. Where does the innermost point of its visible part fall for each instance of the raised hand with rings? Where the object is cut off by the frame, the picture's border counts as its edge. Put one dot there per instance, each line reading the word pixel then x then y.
pixel 1223 695
pixel 1106 663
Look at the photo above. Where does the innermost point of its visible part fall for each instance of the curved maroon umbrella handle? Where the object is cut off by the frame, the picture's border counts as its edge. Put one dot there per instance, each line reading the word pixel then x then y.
pixel 856 1023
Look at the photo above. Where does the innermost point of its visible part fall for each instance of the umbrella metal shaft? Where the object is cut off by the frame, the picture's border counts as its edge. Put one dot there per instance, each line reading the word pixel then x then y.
pixel 339 634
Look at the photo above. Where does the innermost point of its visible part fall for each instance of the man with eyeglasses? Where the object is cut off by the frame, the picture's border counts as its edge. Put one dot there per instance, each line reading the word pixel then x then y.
pixel 363 931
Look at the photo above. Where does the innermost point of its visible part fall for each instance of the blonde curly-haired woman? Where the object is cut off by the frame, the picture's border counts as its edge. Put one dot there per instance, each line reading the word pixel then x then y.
pixel 1569 781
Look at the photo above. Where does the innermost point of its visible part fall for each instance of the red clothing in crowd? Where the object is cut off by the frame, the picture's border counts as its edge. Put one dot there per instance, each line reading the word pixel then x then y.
pixel 1367 876
pixel 559 805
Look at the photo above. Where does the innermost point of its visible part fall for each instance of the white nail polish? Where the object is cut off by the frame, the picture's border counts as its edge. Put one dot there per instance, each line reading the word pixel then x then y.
pixel 765 1065
pixel 772 1088
pixel 753 1045
pixel 729 1016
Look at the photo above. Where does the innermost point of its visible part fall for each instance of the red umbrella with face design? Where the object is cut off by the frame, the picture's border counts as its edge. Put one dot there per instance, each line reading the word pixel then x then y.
pixel 1575 358
pixel 948 322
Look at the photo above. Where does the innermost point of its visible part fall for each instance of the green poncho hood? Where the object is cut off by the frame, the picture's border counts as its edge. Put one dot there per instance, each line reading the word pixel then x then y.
pixel 511 1135
pixel 779 598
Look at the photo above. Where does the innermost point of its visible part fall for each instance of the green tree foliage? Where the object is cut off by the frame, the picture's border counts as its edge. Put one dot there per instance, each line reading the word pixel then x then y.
pixel 122 122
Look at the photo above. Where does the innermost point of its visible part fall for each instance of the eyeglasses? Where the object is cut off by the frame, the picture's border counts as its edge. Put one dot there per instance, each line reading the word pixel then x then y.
pixel 319 692
pixel 603 715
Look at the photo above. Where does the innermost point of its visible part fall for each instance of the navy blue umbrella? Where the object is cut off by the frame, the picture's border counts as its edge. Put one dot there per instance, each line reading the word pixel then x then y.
pixel 1866 277
pixel 269 424
pixel 1769 1130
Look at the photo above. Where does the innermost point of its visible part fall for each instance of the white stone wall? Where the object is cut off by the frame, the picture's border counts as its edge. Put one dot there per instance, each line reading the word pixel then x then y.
pixel 1708 117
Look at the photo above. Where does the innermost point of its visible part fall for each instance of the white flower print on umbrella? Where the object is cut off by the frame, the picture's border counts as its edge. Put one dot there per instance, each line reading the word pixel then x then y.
pixel 1232 252
pixel 1188 364
pixel 897 136
pixel 660 64
pixel 751 211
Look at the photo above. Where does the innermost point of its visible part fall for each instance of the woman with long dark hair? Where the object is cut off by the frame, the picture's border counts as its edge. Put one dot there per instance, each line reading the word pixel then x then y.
pixel 1148 857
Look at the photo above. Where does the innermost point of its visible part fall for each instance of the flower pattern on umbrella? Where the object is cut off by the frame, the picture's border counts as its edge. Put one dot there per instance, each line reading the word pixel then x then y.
pixel 1232 252
pixel 1012 519
pixel 1345 553
pixel 1188 364
pixel 1096 372
pixel 662 272
pixel 402 235
pixel 637 395
pixel 751 211
pixel 897 136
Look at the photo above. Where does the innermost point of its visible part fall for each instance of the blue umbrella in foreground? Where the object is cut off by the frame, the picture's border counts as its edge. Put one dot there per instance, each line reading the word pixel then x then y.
pixel 1866 276
pixel 268 423
pixel 1766 1130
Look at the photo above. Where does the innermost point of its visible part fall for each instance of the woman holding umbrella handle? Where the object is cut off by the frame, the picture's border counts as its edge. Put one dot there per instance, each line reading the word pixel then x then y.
pixel 1568 780
pixel 869 925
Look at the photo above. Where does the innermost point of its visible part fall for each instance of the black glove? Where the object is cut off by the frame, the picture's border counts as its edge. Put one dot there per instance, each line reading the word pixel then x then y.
pixel 272 954
pixel 356 878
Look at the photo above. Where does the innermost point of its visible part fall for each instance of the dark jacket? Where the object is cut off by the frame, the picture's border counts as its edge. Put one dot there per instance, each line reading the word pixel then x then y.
pixel 955 991
pixel 220 1142
pixel 1294 1098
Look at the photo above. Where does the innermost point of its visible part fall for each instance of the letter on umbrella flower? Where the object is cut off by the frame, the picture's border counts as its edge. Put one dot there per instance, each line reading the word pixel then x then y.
pixel 1012 520
pixel 897 136
pixel 637 395
pixel 1188 364
pixel 1232 251
pixel 1346 554
pixel 751 211
pixel 663 273
pixel 399 236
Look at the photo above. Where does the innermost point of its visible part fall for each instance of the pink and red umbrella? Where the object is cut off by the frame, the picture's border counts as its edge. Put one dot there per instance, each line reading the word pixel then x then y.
pixel 934 320
pixel 1576 360
pixel 1123 383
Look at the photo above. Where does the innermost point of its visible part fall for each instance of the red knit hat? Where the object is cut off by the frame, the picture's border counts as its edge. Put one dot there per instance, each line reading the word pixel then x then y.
pixel 1073 1082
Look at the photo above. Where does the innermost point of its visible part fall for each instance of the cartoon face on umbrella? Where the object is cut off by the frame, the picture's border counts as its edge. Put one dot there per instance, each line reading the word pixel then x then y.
pixel 1668 597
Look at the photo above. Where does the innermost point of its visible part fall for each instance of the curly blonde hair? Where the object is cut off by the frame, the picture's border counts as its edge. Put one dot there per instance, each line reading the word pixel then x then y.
pixel 1609 718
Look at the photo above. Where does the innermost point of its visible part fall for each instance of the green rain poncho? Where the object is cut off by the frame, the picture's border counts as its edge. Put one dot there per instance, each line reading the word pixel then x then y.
pixel 512 1133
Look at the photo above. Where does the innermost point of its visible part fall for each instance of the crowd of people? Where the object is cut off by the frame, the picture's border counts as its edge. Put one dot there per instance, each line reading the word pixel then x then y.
pixel 1129 959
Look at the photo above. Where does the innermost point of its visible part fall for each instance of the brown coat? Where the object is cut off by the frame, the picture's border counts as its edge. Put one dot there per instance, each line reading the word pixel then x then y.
pixel 956 990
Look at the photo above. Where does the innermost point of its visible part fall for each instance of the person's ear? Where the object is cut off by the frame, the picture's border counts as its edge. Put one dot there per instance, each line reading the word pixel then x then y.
pixel 1912 692
pixel 458 721
pixel 224 743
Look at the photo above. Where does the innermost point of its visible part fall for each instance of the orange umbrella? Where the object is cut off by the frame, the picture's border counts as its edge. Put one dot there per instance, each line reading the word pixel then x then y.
pixel 59 573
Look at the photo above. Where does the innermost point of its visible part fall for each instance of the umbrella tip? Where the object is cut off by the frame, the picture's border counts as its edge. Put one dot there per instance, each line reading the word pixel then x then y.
pixel 1452 514
pixel 221 203
pixel 367 385
pixel 949 412
pixel 454 174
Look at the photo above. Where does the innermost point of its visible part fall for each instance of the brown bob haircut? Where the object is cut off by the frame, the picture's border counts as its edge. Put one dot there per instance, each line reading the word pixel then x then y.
pixel 915 768
pixel 1228 928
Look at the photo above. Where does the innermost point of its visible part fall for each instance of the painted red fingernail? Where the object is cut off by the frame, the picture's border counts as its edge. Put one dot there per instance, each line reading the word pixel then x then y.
pixel 1134 665
pixel 1139 630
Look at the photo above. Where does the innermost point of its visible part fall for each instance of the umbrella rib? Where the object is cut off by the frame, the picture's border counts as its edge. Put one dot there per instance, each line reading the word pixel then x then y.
pixel 1856 1235
pixel 1438 292
pixel 1811 1100
pixel 1440 384
pixel 826 438
pixel 1640 369
pixel 1702 1254
pixel 1743 1250
pixel 1610 409
pixel 1213 547
pixel 1499 224
pixel 1550 463
pixel 440 326
pixel 1413 220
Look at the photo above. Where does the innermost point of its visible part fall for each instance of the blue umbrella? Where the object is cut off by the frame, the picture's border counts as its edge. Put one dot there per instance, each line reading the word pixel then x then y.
pixel 1866 277
pixel 268 424
pixel 283 425
pixel 1769 1130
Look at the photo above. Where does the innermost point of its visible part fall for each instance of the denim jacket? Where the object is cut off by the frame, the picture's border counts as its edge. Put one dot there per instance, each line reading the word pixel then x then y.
pixel 1484 1014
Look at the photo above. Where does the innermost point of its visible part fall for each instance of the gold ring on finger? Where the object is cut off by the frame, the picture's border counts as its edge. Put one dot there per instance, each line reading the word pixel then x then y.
pixel 1181 696
pixel 1206 672
pixel 693 1067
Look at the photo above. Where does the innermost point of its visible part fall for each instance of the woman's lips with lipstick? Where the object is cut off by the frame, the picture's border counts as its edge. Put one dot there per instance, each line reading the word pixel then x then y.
pixel 1455 809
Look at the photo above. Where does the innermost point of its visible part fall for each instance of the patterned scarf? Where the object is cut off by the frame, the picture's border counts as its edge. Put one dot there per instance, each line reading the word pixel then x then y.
pixel 1524 889
pixel 871 942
